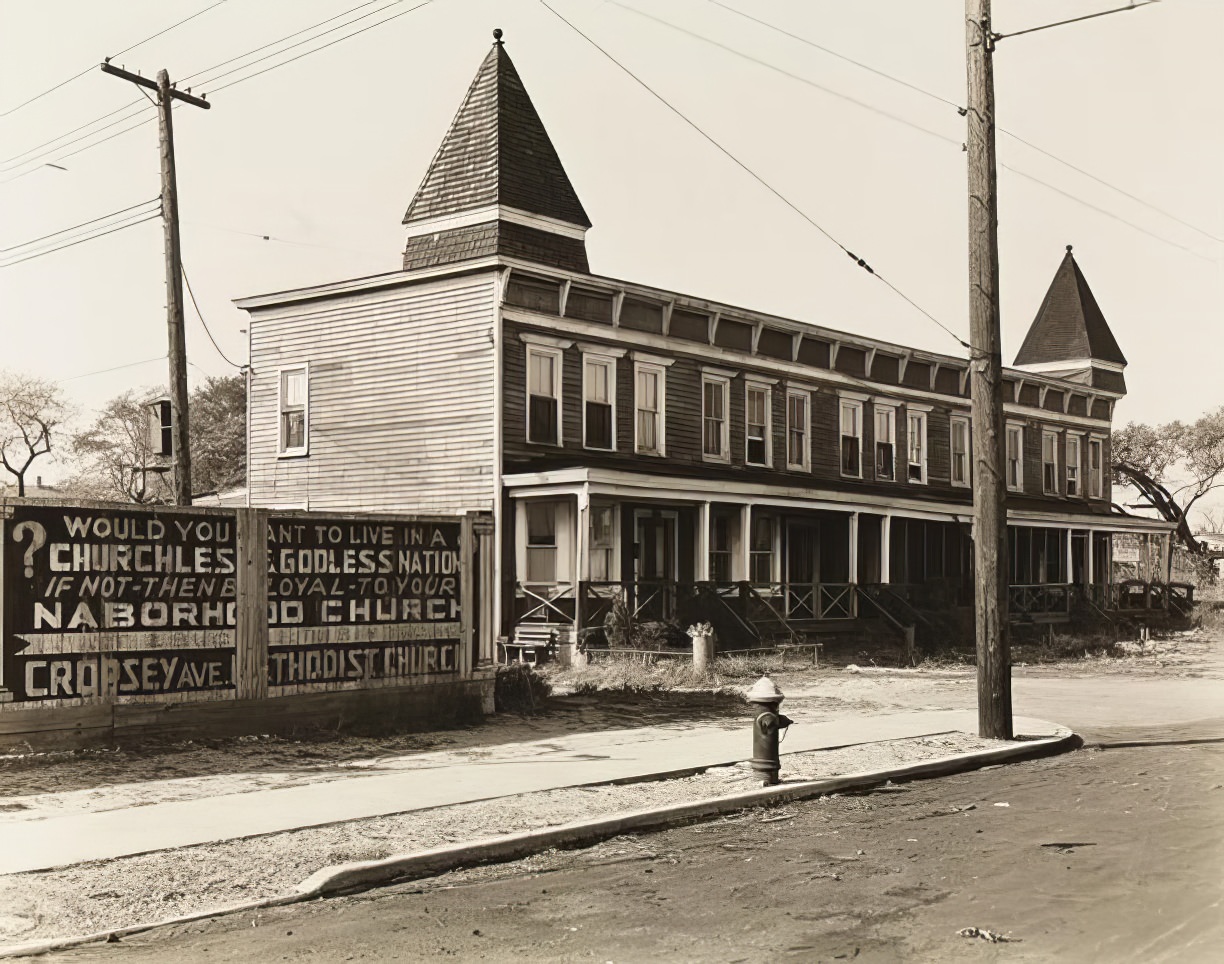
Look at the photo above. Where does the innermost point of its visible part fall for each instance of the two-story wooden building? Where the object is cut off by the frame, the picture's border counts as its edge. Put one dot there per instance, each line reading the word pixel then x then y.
pixel 668 448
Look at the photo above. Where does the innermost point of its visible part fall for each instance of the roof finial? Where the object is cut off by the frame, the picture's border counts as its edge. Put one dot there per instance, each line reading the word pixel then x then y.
pixel 1068 249
pixel 497 36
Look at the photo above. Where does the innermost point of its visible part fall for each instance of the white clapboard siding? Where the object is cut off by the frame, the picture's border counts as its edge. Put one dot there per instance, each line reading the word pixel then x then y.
pixel 401 399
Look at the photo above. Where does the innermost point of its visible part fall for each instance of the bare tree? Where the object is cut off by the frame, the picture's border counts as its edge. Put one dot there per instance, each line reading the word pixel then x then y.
pixel 31 411
pixel 1173 466
pixel 116 456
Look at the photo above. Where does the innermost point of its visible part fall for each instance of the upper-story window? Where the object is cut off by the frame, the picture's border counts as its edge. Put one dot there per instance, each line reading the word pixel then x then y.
pixel 715 427
pixel 1073 465
pixel 885 442
pixel 1096 475
pixel 852 438
pixel 1049 463
pixel 757 422
pixel 959 443
pixel 543 395
pixel 916 445
pixel 598 401
pixel 294 391
pixel 798 421
pixel 1015 457
pixel 649 407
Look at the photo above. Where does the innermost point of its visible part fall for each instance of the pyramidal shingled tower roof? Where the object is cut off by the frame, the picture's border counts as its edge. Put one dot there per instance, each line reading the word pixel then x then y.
pixel 496 184
pixel 1069 326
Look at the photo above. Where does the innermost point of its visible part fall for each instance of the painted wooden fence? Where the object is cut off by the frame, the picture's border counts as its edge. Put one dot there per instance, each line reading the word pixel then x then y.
pixel 114 605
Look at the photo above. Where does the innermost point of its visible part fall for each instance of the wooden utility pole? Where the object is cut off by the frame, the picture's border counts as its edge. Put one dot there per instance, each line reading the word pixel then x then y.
pixel 986 364
pixel 166 95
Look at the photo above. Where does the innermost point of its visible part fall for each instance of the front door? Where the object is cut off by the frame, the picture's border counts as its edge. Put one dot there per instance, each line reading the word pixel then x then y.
pixel 654 563
pixel 802 569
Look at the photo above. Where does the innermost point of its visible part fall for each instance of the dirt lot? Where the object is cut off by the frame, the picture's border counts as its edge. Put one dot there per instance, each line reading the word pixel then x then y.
pixel 94 896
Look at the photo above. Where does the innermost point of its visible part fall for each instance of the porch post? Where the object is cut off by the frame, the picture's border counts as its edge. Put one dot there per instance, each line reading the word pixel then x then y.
pixel 701 567
pixel 1067 552
pixel 582 561
pixel 745 572
pixel 885 548
pixel 854 574
pixel 1089 572
pixel 854 520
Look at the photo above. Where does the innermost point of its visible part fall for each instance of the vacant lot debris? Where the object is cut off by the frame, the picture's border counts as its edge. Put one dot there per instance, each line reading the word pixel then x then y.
pixel 991 936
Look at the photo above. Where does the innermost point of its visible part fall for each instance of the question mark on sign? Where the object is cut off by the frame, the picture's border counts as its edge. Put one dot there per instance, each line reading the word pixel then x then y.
pixel 38 538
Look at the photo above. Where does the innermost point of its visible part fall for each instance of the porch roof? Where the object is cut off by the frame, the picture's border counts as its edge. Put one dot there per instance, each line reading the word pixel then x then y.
pixel 590 481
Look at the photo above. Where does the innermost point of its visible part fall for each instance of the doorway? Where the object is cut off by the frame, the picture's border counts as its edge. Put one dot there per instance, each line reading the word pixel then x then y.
pixel 655 552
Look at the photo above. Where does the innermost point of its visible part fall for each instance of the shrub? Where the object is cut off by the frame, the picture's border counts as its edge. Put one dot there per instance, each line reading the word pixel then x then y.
pixel 519 688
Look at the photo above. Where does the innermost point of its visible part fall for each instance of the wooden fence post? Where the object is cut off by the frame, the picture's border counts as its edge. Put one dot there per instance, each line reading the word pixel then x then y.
pixel 251 632
pixel 467 596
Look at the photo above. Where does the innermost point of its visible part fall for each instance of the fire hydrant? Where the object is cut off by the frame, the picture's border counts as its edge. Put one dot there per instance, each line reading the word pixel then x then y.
pixel 769 721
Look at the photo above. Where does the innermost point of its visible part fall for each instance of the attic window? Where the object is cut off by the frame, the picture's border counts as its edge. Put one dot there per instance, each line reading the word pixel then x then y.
pixel 534 294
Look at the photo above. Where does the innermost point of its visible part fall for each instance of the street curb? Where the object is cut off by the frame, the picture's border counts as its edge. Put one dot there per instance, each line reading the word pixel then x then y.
pixel 348 878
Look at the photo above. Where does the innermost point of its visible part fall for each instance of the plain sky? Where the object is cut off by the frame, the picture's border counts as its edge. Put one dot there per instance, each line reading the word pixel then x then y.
pixel 323 154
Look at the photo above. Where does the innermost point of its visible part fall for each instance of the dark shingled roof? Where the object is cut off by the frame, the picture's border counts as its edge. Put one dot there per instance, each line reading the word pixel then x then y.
pixel 497 152
pixel 1069 324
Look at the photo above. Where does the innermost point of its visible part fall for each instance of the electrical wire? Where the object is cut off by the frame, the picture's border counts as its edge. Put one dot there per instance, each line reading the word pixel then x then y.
pixel 951 103
pixel 307 53
pixel 759 179
pixel 62 83
pixel 134 103
pixel 786 73
pixel 81 225
pixel 280 40
pixel 71 244
pixel 106 371
pixel 39 157
pixel 200 315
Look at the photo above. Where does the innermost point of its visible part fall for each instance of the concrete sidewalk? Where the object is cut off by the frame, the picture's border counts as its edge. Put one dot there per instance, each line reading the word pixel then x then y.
pixel 428 780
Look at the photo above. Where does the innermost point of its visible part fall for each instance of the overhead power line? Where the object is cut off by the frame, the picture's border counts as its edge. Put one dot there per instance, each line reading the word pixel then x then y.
pixel 111 229
pixel 116 368
pixel 951 103
pixel 35 160
pixel 862 263
pixel 103 217
pixel 62 83
pixel 200 315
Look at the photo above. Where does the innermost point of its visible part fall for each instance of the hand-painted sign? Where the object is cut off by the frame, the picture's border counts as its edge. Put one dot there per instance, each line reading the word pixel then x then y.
pixel 356 600
pixel 116 602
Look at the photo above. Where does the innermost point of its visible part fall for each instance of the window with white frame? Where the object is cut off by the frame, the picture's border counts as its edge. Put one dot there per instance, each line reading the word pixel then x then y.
pixel 715 429
pixel 543 395
pixel 761 549
pixel 1096 476
pixel 1049 463
pixel 541 542
pixel 602 543
pixel 798 421
pixel 916 446
pixel 294 410
pixel 1015 457
pixel 757 421
pixel 649 400
pixel 852 437
pixel 598 402
pixel 959 444
pixel 885 442
pixel 1073 464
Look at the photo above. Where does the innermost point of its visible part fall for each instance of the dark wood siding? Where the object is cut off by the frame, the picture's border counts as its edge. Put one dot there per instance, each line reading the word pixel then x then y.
pixel 641 315
pixel 814 352
pixel 884 369
pixel 589 306
pixel 918 375
pixel 852 361
pixel 690 326
pixel 536 294
pixel 733 334
pixel 1053 401
pixel 947 381
pixel 775 344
